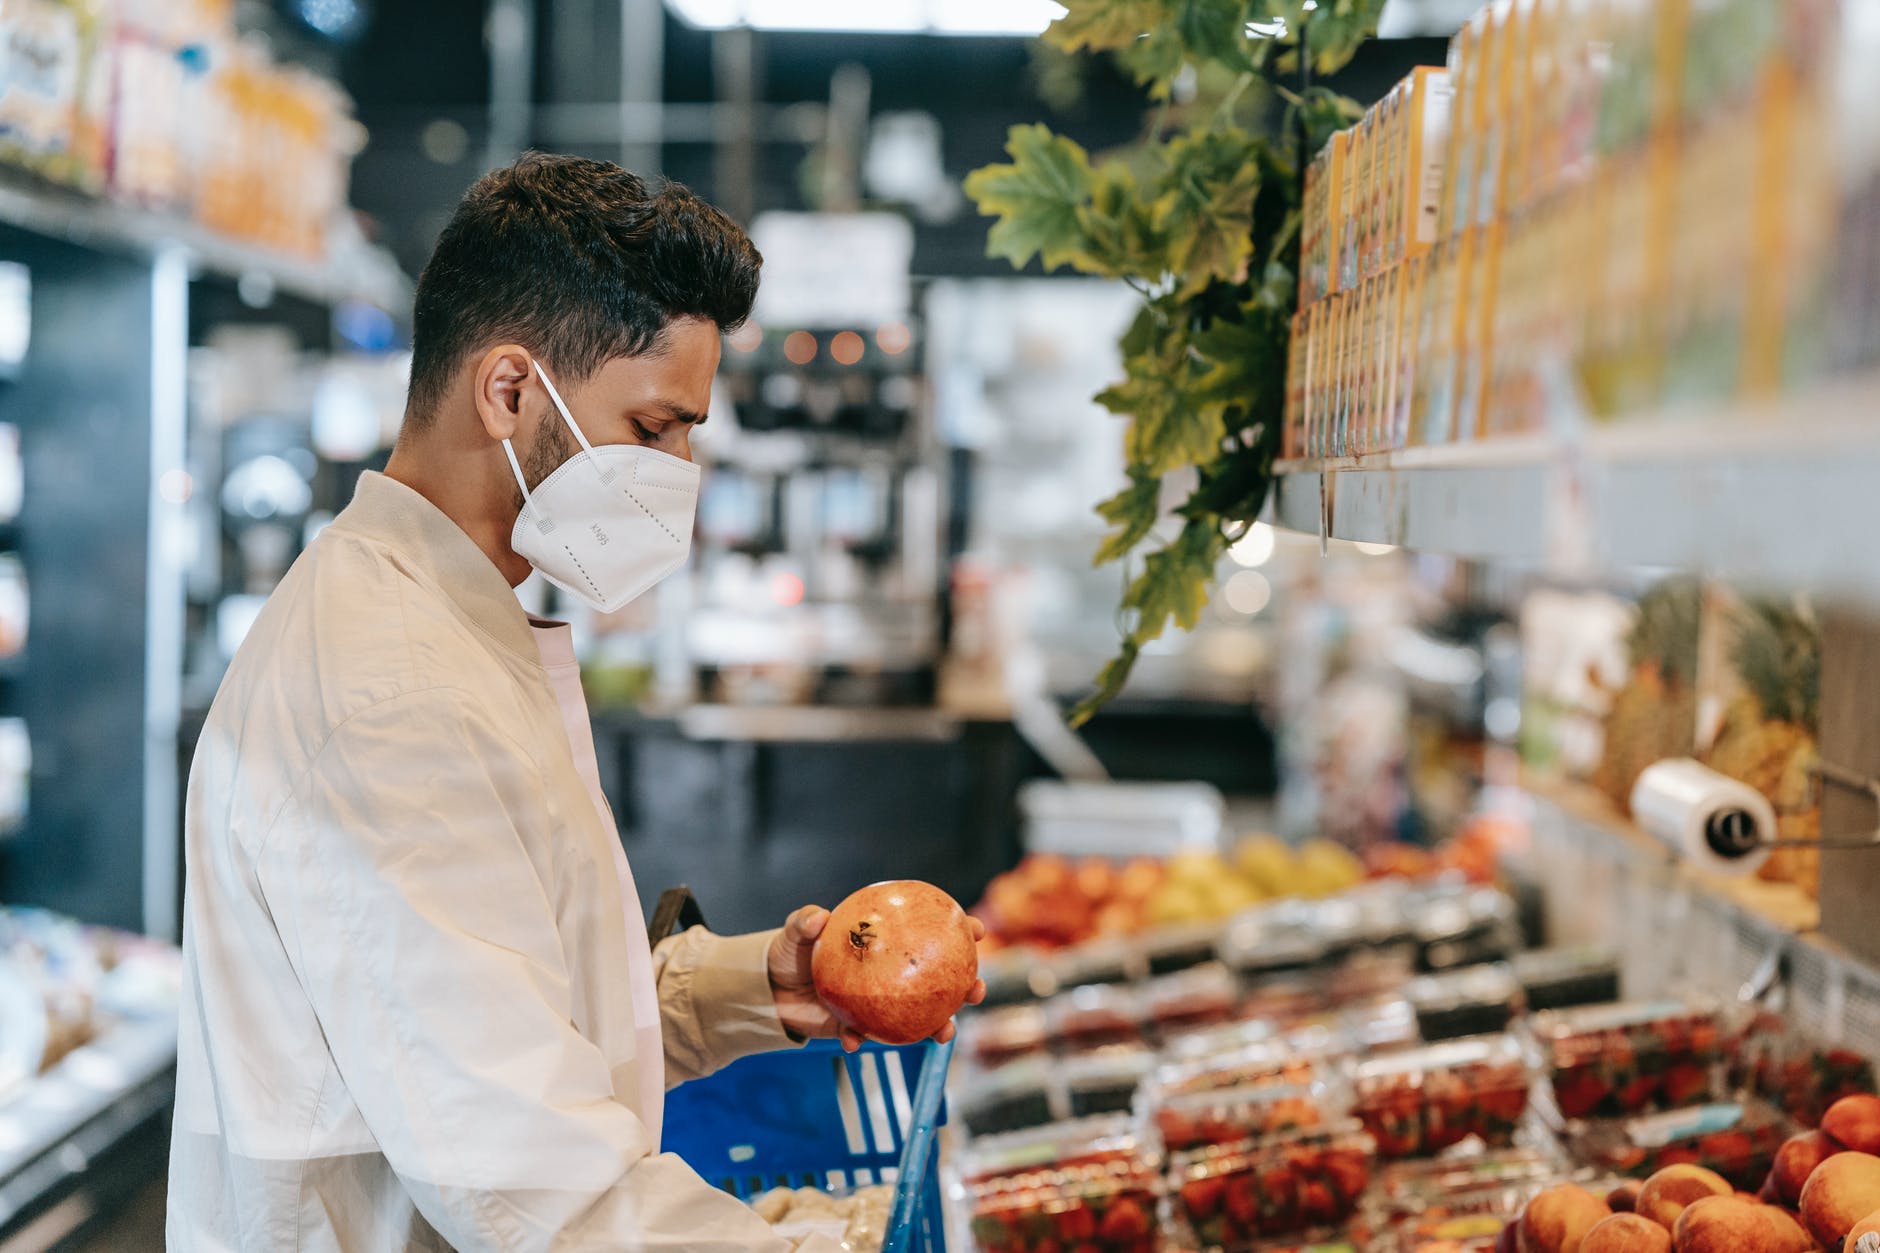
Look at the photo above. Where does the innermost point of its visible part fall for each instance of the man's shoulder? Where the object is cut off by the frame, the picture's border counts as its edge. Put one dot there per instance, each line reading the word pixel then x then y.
pixel 352 624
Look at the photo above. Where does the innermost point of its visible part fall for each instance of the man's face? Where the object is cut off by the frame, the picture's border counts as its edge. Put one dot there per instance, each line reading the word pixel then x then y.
pixel 654 399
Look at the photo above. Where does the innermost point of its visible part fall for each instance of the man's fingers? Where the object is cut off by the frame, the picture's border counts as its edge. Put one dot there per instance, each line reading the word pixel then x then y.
pixel 850 1041
pixel 945 1033
pixel 979 929
pixel 978 993
pixel 806 923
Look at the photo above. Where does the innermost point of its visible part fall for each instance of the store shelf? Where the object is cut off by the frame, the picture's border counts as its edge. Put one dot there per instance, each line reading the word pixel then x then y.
pixel 58 213
pixel 1779 495
pixel 1612 884
pixel 60 1123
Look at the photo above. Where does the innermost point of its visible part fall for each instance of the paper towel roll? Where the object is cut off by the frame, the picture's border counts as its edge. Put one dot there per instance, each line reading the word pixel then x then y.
pixel 1710 819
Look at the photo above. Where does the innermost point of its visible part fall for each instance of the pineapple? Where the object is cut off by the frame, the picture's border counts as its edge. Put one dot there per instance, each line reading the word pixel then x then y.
pixel 1767 739
pixel 1655 714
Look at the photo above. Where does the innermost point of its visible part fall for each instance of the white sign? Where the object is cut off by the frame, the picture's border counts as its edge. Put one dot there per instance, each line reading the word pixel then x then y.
pixel 833 269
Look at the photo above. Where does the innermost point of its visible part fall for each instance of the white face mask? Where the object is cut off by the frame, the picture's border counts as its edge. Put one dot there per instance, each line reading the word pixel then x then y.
pixel 610 522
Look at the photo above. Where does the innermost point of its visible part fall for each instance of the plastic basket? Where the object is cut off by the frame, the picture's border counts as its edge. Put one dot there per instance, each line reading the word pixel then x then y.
pixel 819 1117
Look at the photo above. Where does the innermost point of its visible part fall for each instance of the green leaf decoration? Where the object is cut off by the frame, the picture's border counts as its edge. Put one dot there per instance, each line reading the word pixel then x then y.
pixel 1110 681
pixel 1037 198
pixel 1132 512
pixel 1173 585
pixel 1206 207
pixel 1104 25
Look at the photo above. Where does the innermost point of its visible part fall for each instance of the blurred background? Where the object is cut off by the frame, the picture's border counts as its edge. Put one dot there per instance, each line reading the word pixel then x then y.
pixel 1442 665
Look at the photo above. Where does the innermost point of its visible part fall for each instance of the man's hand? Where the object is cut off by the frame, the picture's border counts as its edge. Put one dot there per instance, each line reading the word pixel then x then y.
pixel 803 1013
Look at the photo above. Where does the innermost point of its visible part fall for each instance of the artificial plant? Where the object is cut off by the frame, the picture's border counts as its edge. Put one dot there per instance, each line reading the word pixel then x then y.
pixel 1201 217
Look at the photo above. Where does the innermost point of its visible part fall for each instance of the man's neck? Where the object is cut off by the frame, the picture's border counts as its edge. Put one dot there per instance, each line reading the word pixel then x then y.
pixel 460 482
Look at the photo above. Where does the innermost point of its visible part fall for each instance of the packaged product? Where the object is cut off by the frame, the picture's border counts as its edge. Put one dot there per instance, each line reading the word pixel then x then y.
pixel 1559 978
pixel 994 1036
pixel 1613 1060
pixel 49 50
pixel 1201 996
pixel 1093 1016
pixel 1737 1139
pixel 1428 95
pixel 1425 1100
pixel 1007 1098
pixel 1105 1081
pixel 1292 433
pixel 1081 1184
pixel 1800 1075
pixel 1231 1196
pixel 1224 1115
pixel 1474 1000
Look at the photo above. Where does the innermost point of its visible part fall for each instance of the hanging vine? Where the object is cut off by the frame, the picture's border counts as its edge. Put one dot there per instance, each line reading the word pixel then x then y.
pixel 1201 217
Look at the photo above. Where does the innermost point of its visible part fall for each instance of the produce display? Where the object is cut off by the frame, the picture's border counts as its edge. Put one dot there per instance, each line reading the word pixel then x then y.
pixel 1086 1184
pixel 1223 1116
pixel 1802 1077
pixel 1426 1100
pixel 895 961
pixel 1623 1059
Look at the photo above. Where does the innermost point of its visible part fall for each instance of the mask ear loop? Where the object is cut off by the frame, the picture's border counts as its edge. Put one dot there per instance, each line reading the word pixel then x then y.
pixel 542 524
pixel 607 471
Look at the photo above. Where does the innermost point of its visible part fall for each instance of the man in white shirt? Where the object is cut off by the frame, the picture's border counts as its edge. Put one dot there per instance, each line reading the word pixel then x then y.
pixel 419 1009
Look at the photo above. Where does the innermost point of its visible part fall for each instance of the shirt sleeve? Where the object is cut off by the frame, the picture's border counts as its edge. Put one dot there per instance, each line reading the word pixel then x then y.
pixel 715 1001
pixel 427 945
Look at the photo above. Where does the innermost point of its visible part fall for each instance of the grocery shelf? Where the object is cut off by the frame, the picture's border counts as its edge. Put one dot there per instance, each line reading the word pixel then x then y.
pixel 1676 929
pixel 59 213
pixel 1779 495
pixel 57 1125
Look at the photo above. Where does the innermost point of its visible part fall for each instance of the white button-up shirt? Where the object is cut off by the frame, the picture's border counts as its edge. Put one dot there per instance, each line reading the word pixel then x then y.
pixel 408 1019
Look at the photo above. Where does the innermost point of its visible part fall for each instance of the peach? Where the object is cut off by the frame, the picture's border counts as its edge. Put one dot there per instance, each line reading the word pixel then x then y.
pixel 1624 1198
pixel 1853 1122
pixel 1626 1233
pixel 1726 1224
pixel 1557 1220
pixel 1842 1191
pixel 1509 1241
pixel 1666 1193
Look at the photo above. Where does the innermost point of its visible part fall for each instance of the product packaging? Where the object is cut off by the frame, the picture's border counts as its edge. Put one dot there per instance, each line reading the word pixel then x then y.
pixel 1615 1060
pixel 1736 1139
pixel 1425 1100
pixel 1230 1196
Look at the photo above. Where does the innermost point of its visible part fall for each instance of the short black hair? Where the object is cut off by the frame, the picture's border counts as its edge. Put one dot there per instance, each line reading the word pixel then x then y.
pixel 578 261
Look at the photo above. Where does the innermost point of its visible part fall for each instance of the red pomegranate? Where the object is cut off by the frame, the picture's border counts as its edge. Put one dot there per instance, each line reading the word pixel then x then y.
pixel 895 961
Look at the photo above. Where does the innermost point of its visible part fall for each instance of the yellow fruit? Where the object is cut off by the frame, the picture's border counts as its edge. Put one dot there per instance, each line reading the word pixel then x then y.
pixel 1329 867
pixel 1229 894
pixel 1267 863
pixel 1177 902
pixel 1196 867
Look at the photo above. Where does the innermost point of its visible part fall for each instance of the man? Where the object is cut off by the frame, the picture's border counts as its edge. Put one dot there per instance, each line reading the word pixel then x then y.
pixel 420 1010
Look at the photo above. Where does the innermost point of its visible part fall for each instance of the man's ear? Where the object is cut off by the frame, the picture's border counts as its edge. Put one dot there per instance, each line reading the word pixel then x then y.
pixel 498 387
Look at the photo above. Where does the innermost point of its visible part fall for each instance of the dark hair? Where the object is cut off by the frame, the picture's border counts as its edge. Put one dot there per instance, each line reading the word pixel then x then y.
pixel 577 260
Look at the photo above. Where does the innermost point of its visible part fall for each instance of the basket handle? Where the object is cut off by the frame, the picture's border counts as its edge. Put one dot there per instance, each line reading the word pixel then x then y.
pixel 677 910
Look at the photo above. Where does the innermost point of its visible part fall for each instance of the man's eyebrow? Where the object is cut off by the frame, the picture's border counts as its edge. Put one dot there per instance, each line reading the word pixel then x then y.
pixel 679 413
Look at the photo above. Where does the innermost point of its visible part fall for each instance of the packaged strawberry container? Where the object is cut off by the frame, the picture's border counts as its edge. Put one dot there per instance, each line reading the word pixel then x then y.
pixel 1083 1184
pixel 1231 1197
pixel 992 1037
pixel 1737 1139
pixel 1106 1081
pixel 1103 1140
pixel 1006 1098
pixel 1798 1074
pixel 1222 1116
pixel 1476 1000
pixel 1269 1062
pixel 1615 1060
pixel 1560 978
pixel 1417 1184
pixel 1424 1100
pixel 1201 996
pixel 1094 1016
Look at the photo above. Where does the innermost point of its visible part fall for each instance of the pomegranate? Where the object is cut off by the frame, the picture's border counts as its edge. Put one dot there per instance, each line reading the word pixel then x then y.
pixel 895 961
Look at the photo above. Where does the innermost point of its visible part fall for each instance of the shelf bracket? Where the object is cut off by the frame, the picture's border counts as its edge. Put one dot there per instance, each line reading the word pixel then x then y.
pixel 1826 772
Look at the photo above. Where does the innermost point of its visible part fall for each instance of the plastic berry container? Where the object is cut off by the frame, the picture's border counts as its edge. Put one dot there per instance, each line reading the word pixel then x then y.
pixel 1178 946
pixel 1191 1120
pixel 1617 1060
pixel 1201 996
pixel 1106 1081
pixel 1799 1075
pixel 1233 1196
pixel 1415 1185
pixel 1074 1142
pixel 1013 1096
pixel 996 1036
pixel 1475 1000
pixel 1272 1062
pixel 1094 1016
pixel 1737 1139
pixel 1058 1210
pixel 1425 1100
pixel 1560 978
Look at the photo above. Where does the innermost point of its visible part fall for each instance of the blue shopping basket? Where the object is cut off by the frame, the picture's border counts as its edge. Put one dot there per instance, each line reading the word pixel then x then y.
pixel 819 1117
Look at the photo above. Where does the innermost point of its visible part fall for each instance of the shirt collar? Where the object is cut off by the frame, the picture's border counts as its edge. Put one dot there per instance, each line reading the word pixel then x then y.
pixel 385 510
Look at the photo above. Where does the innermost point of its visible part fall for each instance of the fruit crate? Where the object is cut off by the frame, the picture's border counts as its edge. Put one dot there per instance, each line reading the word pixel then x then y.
pixel 820 1117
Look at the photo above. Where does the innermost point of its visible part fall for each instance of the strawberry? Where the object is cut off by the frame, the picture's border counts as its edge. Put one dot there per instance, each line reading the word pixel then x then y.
pixel 1243 1202
pixel 1578 1091
pixel 1076 1223
pixel 1347 1172
pixel 1125 1222
pixel 1279 1199
pixel 1047 1245
pixel 1637 1094
pixel 1317 1205
pixel 1202 1197
pixel 1725 1150
pixel 1685 1082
